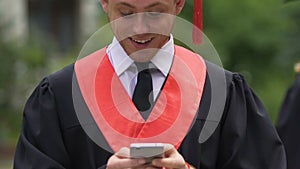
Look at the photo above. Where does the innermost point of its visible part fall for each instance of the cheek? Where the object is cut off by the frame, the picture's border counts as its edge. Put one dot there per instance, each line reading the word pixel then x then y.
pixel 121 28
pixel 162 28
pixel 162 25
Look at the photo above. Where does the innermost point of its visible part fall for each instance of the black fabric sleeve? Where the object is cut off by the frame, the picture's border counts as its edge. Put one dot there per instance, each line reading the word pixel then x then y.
pixel 40 144
pixel 103 167
pixel 248 139
pixel 288 125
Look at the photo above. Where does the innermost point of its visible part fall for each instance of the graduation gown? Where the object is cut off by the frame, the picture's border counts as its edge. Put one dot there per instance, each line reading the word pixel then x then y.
pixel 288 125
pixel 52 137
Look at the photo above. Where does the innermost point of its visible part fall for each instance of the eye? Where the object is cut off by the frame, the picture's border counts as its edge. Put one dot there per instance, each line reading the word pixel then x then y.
pixel 154 14
pixel 126 13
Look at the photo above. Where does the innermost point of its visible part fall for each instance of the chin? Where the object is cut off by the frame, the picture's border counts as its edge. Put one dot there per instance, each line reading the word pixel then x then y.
pixel 144 55
pixel 140 58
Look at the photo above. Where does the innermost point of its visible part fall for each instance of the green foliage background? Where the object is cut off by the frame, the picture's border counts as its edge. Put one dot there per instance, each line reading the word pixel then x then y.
pixel 258 38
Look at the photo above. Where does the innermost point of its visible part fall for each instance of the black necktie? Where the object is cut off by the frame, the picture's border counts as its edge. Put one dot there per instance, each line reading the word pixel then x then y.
pixel 143 95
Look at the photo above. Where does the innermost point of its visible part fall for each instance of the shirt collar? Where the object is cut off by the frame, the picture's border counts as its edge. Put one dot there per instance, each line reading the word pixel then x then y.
pixel 121 61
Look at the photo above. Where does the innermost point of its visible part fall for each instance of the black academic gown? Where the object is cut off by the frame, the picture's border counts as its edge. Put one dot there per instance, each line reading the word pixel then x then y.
pixel 288 125
pixel 52 137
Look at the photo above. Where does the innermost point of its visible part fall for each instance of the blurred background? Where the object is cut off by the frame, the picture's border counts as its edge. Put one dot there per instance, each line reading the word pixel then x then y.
pixel 258 38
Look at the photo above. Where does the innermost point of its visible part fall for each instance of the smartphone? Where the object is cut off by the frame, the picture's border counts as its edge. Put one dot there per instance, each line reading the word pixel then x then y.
pixel 149 151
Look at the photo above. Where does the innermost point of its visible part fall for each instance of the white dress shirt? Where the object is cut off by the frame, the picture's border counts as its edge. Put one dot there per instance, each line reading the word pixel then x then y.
pixel 127 71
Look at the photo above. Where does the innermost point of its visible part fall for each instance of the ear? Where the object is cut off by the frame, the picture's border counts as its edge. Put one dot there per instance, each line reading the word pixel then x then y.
pixel 179 6
pixel 104 4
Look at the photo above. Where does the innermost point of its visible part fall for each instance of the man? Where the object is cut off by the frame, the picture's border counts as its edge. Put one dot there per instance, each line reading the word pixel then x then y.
pixel 288 122
pixel 56 131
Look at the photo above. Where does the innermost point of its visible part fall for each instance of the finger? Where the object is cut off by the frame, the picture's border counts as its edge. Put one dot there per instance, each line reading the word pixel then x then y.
pixel 176 161
pixel 147 167
pixel 123 153
pixel 168 147
pixel 169 163
pixel 153 167
pixel 169 150
pixel 126 163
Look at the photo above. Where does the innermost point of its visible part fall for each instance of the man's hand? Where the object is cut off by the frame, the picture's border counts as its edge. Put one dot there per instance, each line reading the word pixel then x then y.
pixel 121 160
pixel 172 159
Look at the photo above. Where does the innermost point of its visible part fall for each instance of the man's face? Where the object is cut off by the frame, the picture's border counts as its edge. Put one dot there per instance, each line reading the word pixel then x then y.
pixel 142 26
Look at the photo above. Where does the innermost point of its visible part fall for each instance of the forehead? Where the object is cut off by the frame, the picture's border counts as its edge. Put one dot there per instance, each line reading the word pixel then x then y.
pixel 142 3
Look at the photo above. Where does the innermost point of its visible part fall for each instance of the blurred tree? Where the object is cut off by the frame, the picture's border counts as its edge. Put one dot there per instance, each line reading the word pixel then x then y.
pixel 21 64
pixel 7 75
pixel 291 50
pixel 249 37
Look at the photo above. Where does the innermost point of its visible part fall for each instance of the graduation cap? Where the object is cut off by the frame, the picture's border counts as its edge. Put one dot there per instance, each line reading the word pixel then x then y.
pixel 198 22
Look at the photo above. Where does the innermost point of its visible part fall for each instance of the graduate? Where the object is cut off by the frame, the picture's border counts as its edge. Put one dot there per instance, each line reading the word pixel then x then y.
pixel 288 122
pixel 144 89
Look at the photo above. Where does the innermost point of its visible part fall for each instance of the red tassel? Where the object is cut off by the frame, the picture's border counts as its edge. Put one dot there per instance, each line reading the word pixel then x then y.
pixel 198 25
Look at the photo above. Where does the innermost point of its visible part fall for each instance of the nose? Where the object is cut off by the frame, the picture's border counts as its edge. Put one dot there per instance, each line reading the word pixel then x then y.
pixel 140 25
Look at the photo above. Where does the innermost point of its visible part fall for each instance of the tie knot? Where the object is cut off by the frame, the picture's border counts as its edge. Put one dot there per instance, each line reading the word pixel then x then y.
pixel 141 66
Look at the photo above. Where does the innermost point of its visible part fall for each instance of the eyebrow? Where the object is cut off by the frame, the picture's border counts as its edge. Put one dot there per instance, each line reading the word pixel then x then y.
pixel 153 5
pixel 125 4
pixel 147 7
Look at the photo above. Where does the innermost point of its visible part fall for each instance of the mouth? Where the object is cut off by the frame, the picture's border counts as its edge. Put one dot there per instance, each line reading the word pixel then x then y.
pixel 140 43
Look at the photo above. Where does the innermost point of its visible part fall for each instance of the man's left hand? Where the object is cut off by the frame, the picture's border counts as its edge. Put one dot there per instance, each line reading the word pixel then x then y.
pixel 172 159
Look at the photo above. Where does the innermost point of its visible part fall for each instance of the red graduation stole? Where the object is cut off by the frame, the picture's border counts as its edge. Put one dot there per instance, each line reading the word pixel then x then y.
pixel 117 117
